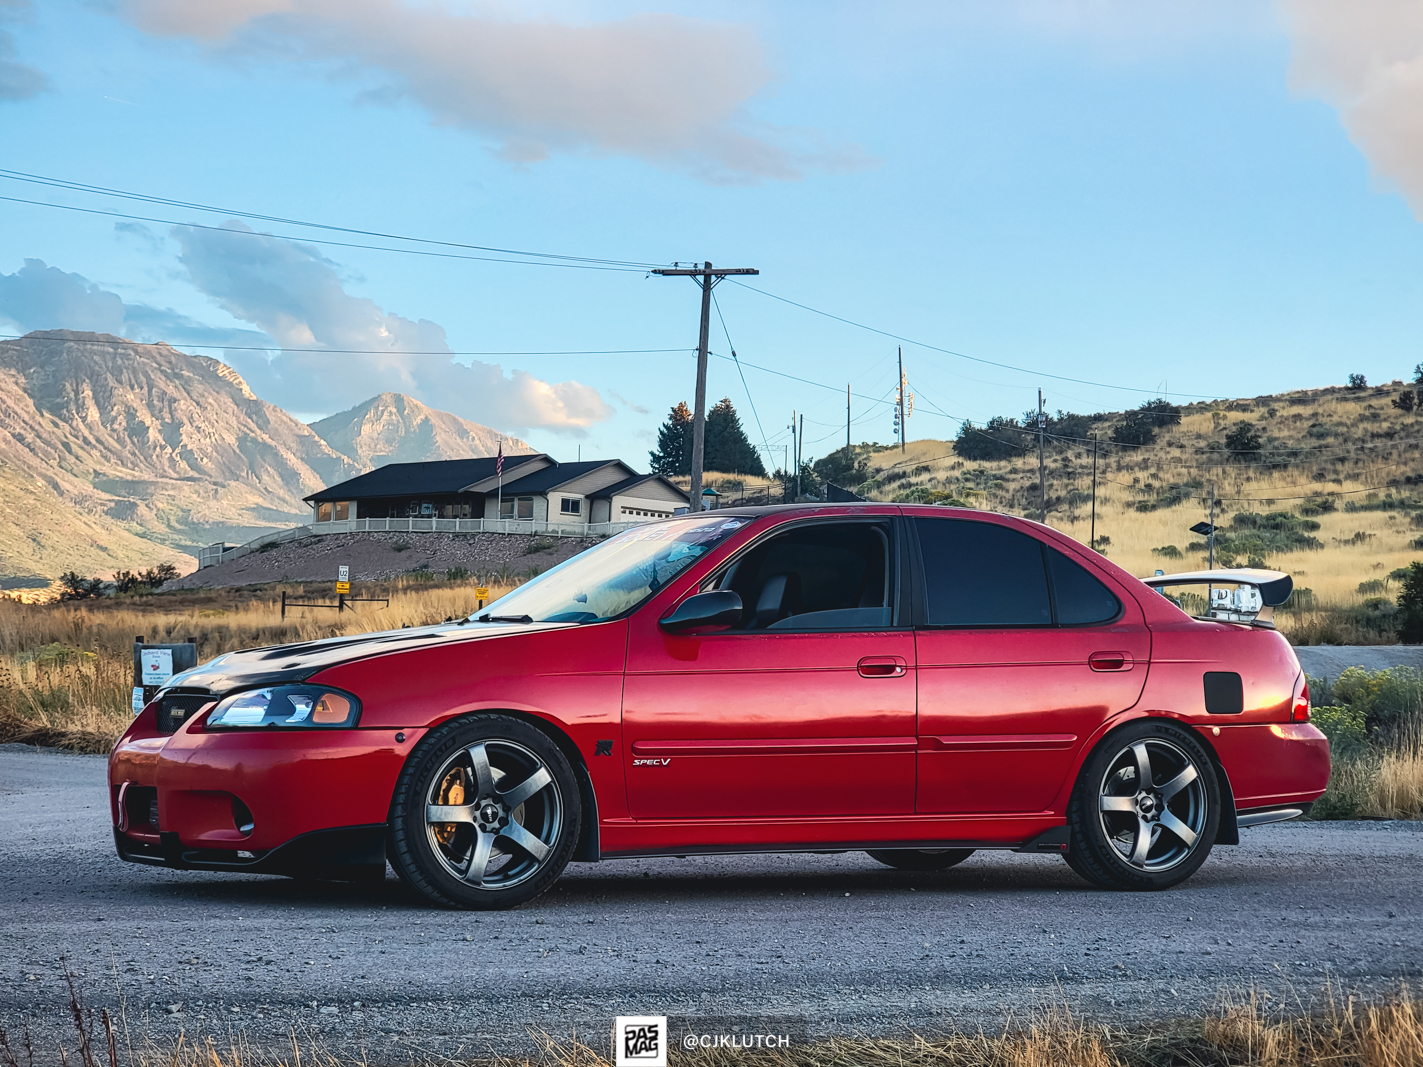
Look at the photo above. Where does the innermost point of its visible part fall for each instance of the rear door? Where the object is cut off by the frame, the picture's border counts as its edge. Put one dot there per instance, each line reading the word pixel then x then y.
pixel 1022 653
pixel 805 709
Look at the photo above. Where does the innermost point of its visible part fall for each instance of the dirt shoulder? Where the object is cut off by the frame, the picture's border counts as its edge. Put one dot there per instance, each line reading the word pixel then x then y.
pixel 379 556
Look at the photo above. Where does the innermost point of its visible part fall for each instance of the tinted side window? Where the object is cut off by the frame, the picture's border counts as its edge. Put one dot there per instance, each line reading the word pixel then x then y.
pixel 981 574
pixel 1081 599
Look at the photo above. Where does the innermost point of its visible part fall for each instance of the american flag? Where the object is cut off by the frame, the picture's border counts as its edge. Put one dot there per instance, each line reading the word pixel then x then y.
pixel 499 460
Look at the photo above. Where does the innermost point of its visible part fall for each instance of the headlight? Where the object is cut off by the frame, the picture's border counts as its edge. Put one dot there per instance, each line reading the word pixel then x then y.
pixel 287 707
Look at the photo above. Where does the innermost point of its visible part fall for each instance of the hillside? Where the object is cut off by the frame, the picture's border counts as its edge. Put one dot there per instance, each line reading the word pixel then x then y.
pixel 1332 491
pixel 394 428
pixel 119 455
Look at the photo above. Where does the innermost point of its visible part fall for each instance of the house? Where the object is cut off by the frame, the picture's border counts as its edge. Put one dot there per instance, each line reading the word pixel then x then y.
pixel 533 487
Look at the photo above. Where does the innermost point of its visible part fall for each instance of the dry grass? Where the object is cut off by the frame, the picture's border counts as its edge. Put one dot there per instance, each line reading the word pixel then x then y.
pixel 1346 1031
pixel 66 670
pixel 1365 446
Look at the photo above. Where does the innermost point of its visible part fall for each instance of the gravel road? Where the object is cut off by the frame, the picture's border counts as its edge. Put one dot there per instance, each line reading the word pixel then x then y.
pixel 850 946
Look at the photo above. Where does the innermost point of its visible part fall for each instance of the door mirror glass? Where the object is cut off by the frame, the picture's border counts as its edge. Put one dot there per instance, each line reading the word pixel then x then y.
pixel 720 607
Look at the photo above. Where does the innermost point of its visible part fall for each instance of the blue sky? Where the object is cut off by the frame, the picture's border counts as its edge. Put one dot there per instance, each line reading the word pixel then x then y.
pixel 1193 198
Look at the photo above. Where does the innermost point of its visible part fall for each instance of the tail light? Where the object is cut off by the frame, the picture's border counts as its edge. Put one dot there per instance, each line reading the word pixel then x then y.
pixel 1299 706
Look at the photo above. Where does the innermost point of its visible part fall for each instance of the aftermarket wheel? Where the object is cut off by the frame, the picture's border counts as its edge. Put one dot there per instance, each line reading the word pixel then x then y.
pixel 1145 809
pixel 920 859
pixel 485 815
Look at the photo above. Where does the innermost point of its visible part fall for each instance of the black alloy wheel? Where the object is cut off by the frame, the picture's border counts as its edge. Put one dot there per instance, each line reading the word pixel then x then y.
pixel 486 814
pixel 920 859
pixel 1145 809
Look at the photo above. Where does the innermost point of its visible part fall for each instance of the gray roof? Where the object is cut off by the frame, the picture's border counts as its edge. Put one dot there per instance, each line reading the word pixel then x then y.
pixel 618 488
pixel 420 479
pixel 552 477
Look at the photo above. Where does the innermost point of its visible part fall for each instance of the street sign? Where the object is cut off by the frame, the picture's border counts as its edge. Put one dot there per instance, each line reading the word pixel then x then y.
pixel 343 587
pixel 343 574
pixel 481 593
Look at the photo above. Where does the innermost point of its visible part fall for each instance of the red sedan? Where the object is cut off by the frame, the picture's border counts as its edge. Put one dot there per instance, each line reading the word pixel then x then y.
pixel 917 682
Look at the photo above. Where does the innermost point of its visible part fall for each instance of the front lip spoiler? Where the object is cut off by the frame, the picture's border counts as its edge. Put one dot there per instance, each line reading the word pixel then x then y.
pixel 345 853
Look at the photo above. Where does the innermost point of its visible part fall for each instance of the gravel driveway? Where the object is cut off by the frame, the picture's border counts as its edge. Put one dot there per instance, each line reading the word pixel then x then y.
pixel 849 945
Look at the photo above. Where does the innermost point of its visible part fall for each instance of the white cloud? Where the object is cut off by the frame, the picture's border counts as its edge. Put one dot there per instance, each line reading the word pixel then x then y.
pixel 1365 58
pixel 18 81
pixel 294 295
pixel 665 88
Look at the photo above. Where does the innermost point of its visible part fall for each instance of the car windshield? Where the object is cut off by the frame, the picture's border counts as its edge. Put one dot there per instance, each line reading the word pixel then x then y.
pixel 613 577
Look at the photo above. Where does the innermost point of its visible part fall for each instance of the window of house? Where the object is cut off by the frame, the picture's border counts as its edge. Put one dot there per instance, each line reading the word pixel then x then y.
pixel 981 574
pixel 526 507
pixel 342 510
pixel 822 576
pixel 323 511
pixel 570 506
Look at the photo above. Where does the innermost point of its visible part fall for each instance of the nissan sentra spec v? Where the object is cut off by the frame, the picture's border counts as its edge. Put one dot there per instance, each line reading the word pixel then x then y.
pixel 917 682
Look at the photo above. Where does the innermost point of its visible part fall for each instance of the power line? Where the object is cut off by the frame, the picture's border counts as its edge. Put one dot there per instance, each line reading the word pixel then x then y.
pixel 722 319
pixel 351 351
pixel 319 241
pixel 100 190
pixel 961 355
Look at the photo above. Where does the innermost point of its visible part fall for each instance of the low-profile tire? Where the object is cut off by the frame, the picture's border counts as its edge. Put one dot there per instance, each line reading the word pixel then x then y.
pixel 1145 809
pixel 463 838
pixel 920 859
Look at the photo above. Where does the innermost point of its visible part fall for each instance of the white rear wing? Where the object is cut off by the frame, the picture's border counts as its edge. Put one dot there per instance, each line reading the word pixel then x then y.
pixel 1234 595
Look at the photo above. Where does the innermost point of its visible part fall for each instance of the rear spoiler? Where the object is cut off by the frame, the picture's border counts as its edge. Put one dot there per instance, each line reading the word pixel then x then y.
pixel 1252 596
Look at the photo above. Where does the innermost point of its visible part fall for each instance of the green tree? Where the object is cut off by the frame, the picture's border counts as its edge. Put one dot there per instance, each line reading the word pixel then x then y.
pixel 1418 374
pixel 1243 441
pixel 1406 401
pixel 1000 439
pixel 75 587
pixel 1139 427
pixel 845 467
pixel 674 444
pixel 1410 606
pixel 1358 381
pixel 727 447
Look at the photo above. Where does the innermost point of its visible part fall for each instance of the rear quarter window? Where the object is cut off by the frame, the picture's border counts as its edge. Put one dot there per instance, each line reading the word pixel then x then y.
pixel 1080 598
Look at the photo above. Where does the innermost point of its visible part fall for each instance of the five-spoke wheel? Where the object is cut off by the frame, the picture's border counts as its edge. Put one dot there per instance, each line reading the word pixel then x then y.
pixel 486 813
pixel 1145 808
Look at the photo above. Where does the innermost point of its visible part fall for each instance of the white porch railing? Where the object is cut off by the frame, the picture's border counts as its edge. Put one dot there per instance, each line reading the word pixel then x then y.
pixel 215 554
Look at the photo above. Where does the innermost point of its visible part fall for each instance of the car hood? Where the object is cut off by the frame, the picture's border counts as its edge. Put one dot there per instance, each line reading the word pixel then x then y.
pixel 274 664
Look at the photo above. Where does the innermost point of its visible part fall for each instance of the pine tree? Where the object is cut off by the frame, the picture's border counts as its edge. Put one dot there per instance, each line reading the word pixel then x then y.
pixel 727 447
pixel 674 444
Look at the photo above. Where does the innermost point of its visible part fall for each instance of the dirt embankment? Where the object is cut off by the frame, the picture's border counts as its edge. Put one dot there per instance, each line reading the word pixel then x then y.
pixel 379 556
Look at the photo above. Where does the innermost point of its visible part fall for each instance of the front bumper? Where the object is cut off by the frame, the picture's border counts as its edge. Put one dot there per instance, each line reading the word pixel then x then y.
pixel 346 853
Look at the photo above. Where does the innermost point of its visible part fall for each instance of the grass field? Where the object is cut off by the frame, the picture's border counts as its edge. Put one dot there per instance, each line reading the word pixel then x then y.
pixel 66 669
pixel 1338 1029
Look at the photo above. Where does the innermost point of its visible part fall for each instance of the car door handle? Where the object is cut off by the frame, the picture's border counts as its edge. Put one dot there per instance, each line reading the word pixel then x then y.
pixel 1110 661
pixel 883 667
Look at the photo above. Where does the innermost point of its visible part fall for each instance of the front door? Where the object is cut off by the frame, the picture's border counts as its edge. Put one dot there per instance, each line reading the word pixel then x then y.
pixel 805 708
pixel 1023 654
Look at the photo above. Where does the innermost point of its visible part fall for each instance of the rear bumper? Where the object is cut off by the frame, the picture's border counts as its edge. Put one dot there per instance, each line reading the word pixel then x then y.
pixel 345 853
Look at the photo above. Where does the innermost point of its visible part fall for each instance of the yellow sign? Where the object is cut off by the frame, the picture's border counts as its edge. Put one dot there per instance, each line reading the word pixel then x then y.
pixel 481 593
pixel 343 587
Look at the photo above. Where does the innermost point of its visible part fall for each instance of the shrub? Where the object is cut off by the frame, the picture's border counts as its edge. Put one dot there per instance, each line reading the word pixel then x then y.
pixel 73 587
pixel 1406 401
pixel 1372 587
pixel 1344 726
pixel 400 546
pixel 1000 439
pixel 457 574
pixel 1167 552
pixel 1244 441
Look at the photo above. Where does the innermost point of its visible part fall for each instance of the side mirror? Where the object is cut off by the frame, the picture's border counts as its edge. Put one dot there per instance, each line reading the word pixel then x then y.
pixel 720 607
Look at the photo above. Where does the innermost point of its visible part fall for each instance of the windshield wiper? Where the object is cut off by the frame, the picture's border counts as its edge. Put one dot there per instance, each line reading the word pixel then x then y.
pixel 505 618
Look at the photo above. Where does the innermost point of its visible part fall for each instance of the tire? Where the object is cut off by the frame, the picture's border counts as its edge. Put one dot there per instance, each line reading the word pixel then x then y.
pixel 920 859
pixel 1127 837
pixel 498 847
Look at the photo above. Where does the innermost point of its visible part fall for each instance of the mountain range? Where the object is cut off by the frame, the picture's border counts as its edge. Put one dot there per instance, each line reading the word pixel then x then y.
pixel 115 454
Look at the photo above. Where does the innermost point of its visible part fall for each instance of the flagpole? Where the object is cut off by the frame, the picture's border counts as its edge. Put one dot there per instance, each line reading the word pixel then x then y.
pixel 499 470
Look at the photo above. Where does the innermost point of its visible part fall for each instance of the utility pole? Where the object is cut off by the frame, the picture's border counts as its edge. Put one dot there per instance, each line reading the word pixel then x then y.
pixel 1092 538
pixel 707 279
pixel 1042 478
pixel 795 457
pixel 847 419
pixel 799 455
pixel 1210 538
pixel 900 400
